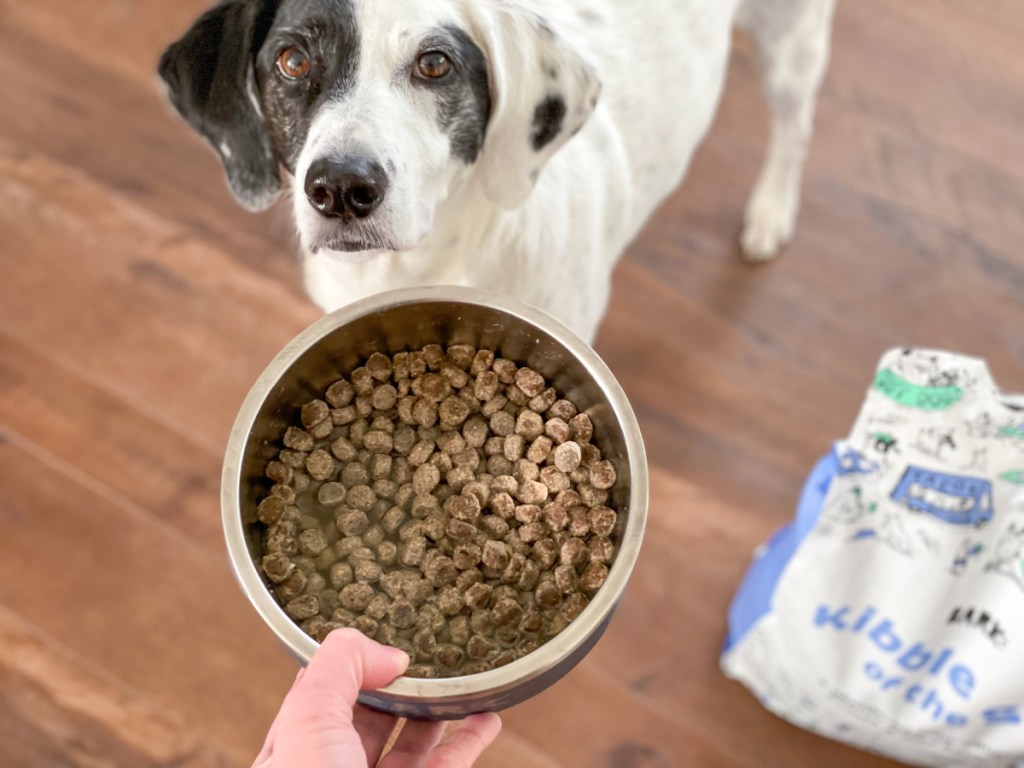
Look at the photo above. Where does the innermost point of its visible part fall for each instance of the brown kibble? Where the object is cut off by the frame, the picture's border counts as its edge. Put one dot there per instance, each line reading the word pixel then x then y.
pixel 573 606
pixel 486 386
pixel 425 479
pixel 478 489
pixel 591 496
pixel 459 530
pixel 293 459
pixel 555 479
pixel 331 494
pixel 402 614
pixel 456 377
pixel 517 398
pixel 433 387
pixel 545 553
pixel 451 443
pixel 529 381
pixel 532 532
pixel 452 412
pixel 493 406
pixel 601 550
pixel 532 492
pixel 503 505
pixel 379 366
pixel 448 656
pixel 573 552
pixel 279 472
pixel 270 509
pixel 340 394
pixel 320 465
pixel 565 578
pixel 313 413
pixel 298 440
pixel 353 522
pixel 482 361
pixel 548 595
pixel 420 453
pixel 377 441
pixel 343 450
pixel 582 428
pixel 311 542
pixel 494 526
pixel 543 401
pixel 496 555
pixel 367 571
pixel 341 575
pixel 479 647
pixel 303 607
pixel 593 577
pixel 449 601
pixel 539 450
pixel 466 556
pixel 278 567
pixel 361 497
pixel 461 356
pixel 506 370
pixel 418 591
pixel 463 507
pixel 525 471
pixel 353 474
pixel 579 521
pixel 502 424
pixel 602 475
pixel 341 417
pixel 514 447
pixel 602 521
pixel 440 571
pixel 424 412
pixel 362 381
pixel 562 409
pixel 530 425
pixel 411 551
pixel 384 397
pixel 568 456
pixel 356 597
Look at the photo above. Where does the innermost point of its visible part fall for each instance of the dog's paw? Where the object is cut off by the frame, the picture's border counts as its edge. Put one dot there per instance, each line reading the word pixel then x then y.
pixel 768 225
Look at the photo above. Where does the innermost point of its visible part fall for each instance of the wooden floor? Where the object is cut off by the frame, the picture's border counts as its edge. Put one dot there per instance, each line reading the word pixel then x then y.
pixel 138 303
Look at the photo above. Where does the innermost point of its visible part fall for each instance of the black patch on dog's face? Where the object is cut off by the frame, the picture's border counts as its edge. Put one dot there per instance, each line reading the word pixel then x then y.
pixel 464 96
pixel 547 121
pixel 327 32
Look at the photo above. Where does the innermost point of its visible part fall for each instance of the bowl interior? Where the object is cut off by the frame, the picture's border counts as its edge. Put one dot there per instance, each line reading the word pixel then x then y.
pixel 338 343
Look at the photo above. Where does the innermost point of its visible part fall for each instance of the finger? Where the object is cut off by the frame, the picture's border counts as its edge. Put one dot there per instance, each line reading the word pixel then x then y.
pixel 268 743
pixel 346 663
pixel 374 729
pixel 415 741
pixel 464 744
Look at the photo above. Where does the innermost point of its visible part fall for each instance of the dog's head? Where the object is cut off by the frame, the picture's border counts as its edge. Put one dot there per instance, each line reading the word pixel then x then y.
pixel 377 108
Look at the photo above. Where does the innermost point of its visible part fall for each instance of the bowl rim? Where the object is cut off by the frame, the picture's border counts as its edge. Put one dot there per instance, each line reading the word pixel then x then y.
pixel 553 651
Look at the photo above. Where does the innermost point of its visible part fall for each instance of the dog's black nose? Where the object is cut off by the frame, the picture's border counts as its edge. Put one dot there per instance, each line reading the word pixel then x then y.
pixel 347 188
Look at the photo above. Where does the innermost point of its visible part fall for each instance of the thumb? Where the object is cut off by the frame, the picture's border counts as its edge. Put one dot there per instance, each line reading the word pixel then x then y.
pixel 346 663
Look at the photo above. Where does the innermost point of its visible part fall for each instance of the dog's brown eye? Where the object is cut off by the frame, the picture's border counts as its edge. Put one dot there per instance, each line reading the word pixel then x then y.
pixel 293 63
pixel 432 65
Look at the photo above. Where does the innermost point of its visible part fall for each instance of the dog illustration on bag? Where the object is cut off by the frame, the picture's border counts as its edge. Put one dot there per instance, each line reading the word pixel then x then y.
pixel 1008 556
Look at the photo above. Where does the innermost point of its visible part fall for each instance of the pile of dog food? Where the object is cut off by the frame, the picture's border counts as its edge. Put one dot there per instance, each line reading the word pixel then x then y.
pixel 446 502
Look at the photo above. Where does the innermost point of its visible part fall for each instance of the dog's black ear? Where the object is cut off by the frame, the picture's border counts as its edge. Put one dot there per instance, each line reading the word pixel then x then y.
pixel 211 80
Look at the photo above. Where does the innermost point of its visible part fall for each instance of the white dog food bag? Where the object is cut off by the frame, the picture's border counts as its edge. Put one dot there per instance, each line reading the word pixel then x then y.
pixel 890 613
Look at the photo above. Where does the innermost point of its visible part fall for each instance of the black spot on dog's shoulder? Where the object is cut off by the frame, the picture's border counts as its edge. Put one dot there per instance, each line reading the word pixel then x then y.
pixel 547 121
pixel 550 70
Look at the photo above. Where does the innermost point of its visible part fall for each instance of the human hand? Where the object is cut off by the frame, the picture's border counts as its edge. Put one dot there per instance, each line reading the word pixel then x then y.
pixel 320 724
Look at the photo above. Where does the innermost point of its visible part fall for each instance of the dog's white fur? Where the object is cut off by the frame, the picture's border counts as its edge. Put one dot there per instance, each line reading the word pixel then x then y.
pixel 659 66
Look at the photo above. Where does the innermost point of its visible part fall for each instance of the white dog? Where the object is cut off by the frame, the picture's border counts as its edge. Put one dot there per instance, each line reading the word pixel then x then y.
pixel 511 145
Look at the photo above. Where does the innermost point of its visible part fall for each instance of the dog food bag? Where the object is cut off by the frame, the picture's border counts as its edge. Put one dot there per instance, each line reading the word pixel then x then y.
pixel 890 613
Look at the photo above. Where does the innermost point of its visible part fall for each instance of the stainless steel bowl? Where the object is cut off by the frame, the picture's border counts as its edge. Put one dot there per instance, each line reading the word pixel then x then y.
pixel 410 319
